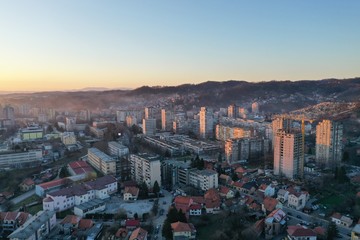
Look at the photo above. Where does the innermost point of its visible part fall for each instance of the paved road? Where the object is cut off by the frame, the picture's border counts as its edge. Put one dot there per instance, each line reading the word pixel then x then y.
pixel 23 196
pixel 159 220
pixel 297 217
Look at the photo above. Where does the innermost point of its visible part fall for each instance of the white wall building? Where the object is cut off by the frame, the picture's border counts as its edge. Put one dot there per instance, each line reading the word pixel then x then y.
pixel 117 149
pixel 145 168
pixel 288 154
pixel 203 179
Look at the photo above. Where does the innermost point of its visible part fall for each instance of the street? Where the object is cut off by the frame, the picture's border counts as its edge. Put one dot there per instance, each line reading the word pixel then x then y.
pixel 297 217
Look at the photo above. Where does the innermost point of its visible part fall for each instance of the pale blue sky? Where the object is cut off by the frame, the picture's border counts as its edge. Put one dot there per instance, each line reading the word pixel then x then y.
pixel 48 45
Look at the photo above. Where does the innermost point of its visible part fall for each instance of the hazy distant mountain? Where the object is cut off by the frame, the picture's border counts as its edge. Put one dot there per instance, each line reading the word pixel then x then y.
pixel 273 96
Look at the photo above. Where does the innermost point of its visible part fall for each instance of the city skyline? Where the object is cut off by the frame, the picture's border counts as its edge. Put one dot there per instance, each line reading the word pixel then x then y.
pixel 70 45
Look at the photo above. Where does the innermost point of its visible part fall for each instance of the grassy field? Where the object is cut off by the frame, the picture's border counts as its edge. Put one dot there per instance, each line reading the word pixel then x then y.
pixel 33 198
pixel 332 200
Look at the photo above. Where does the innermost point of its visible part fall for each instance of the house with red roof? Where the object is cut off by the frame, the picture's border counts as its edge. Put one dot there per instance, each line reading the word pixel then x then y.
pixel 297 199
pixel 47 187
pixel 10 221
pixel 139 234
pixel 226 192
pixel 132 224
pixel 275 223
pixel 195 210
pixel 131 193
pixel 270 204
pixel 300 233
pixel 183 230
pixel 212 201
pixel 26 185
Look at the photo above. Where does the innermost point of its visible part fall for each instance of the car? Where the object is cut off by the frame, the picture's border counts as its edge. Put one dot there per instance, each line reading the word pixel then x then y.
pixel 298 216
pixel 151 200
pixel 164 202
pixel 289 213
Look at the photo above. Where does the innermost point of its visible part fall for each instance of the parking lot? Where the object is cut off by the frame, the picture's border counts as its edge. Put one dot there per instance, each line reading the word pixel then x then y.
pixel 140 206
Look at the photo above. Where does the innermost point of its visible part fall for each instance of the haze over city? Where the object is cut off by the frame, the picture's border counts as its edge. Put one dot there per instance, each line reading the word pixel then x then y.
pixel 62 45
pixel 179 120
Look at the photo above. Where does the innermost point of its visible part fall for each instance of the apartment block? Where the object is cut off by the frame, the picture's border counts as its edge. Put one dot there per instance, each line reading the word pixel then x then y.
pixel 117 149
pixel 288 154
pixel 329 143
pixel 101 161
pixel 203 179
pixel 145 168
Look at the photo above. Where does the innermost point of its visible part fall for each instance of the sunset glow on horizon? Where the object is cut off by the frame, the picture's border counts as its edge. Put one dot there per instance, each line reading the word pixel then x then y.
pixel 67 45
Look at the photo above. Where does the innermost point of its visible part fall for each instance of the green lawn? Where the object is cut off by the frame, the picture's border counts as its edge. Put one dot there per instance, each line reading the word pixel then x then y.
pixel 34 209
pixel 31 199
pixel 332 200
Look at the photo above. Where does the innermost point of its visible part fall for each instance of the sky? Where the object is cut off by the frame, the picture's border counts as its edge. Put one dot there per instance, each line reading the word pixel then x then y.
pixel 61 45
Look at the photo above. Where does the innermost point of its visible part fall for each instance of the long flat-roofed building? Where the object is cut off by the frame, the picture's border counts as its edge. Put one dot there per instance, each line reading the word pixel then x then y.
pixel 20 159
pixel 101 161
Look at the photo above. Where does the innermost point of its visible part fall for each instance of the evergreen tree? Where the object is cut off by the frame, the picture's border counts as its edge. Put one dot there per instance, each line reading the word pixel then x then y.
pixel 332 231
pixel 144 190
pixel 156 188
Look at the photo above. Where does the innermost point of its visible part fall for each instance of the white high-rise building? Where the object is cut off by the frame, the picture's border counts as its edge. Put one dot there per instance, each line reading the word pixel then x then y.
pixel 166 120
pixel 149 112
pixel 206 123
pixel 149 126
pixel 233 111
pixel 329 143
pixel 203 179
pixel 288 154
pixel 145 168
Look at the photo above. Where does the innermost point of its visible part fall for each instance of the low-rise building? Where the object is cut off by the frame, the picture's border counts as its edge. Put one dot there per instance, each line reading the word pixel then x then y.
pixel 67 198
pixel 131 193
pixel 10 221
pixel 297 200
pixel 183 230
pixel 27 185
pixel 301 233
pixel 275 223
pixel 139 234
pixel 341 220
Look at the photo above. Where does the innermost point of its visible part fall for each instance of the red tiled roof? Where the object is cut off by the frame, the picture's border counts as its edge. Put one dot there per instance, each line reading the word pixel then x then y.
pixel 132 223
pixel 195 207
pixel 28 182
pixel 224 190
pixel 80 167
pixel 299 231
pixel 10 216
pixel 336 215
pixel 182 200
pixel 134 191
pixel 270 203
pixel 85 224
pixel 180 227
pixel 54 183
pixel 320 230
pixel 138 234
pixel 198 199
pixel 72 219
pixel 212 194
pixel 237 184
